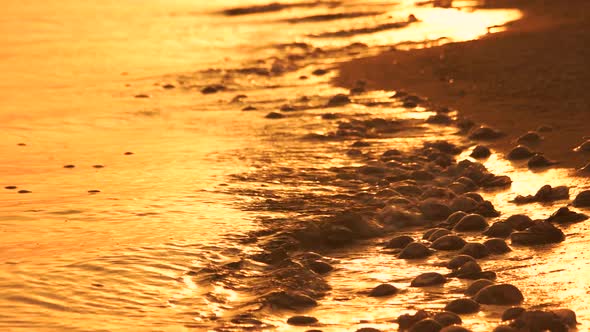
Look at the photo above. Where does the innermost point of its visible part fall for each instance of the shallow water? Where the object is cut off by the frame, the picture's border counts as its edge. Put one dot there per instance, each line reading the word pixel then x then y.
pixel 128 257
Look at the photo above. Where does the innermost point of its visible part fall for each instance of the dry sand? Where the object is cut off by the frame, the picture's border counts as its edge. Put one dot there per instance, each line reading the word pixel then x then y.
pixel 534 74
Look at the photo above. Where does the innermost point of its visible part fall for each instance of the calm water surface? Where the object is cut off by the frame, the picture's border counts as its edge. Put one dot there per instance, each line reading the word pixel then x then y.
pixel 115 247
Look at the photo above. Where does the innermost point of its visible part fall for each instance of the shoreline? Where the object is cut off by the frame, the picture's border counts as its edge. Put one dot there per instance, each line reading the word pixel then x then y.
pixel 515 81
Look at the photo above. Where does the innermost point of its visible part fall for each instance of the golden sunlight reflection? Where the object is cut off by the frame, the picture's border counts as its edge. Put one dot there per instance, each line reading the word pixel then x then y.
pixel 191 165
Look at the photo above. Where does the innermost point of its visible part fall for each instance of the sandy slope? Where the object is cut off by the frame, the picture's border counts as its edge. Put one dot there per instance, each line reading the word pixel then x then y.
pixel 537 73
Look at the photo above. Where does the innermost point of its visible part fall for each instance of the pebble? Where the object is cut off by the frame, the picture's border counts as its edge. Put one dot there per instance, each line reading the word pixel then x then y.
pixel 290 300
pixel 10 187
pixel 339 100
pixel 475 250
pixel 447 318
pixel 24 191
pixel 428 279
pixel 319 72
pixel 448 242
pixel 440 118
pixel 539 161
pixel 320 267
pixel 438 234
pixel 520 152
pixel 497 246
pixel 168 86
pixel 406 321
pixel 459 261
pixel 142 96
pixel 93 191
pixel 502 294
pixel 69 166
pixel 541 233
pixel 462 306
pixel 366 329
pixel 512 313
pixel 274 115
pixel 383 290
pixel 504 328
pixel 463 203
pixel 484 133
pixel 426 325
pixel 455 328
pixel 249 108
pixel 519 222
pixel 415 250
pixel 434 209
pixel 455 217
pixel 302 320
pixel 467 270
pixel 585 170
pixel 128 153
pixel 499 229
pixel 212 89
pixel 565 216
pixel 530 137
pixel 480 152
pixel 98 166
pixel 399 242
pixel 582 199
pixel 477 285
pixel 584 147
pixel 471 223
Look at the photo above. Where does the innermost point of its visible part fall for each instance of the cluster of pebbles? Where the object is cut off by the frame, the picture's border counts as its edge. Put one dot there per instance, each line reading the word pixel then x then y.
pixel 427 189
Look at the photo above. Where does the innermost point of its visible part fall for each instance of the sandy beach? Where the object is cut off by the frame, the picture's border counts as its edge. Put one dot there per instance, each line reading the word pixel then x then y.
pixel 534 74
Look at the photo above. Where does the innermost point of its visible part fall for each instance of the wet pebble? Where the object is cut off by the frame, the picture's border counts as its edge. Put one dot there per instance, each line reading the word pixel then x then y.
pixel 475 250
pixel 302 320
pixel 471 223
pixel 426 325
pixel 320 267
pixel 520 152
pixel 537 320
pixel 459 261
pixel 168 86
pixel 530 137
pixel 463 203
pixel 69 166
pixel 454 218
pixel 93 191
pixel 434 209
pixel 499 229
pixel 274 115
pixel 585 170
pixel 440 232
pixel 584 147
pixel 415 250
pixel 142 96
pixel 455 328
pixel 24 191
pixel 290 300
pixel 497 246
pixel 339 100
pixel 519 222
pixel 566 216
pixel 447 318
pixel 10 187
pixel 98 166
pixel 504 328
pixel 467 270
pixel 582 199
pixel 383 290
pixel 399 242
pixel 541 233
pixel 540 161
pixel 502 294
pixel 512 313
pixel 428 279
pixel 128 153
pixel 480 152
pixel 366 329
pixel 210 89
pixel 406 321
pixel 448 242
pixel 484 133
pixel 462 306
pixel 319 72
pixel 477 285
pixel 546 193
pixel 440 118
pixel 249 108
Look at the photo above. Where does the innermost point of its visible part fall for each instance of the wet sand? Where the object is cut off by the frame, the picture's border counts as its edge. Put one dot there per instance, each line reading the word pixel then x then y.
pixel 534 74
